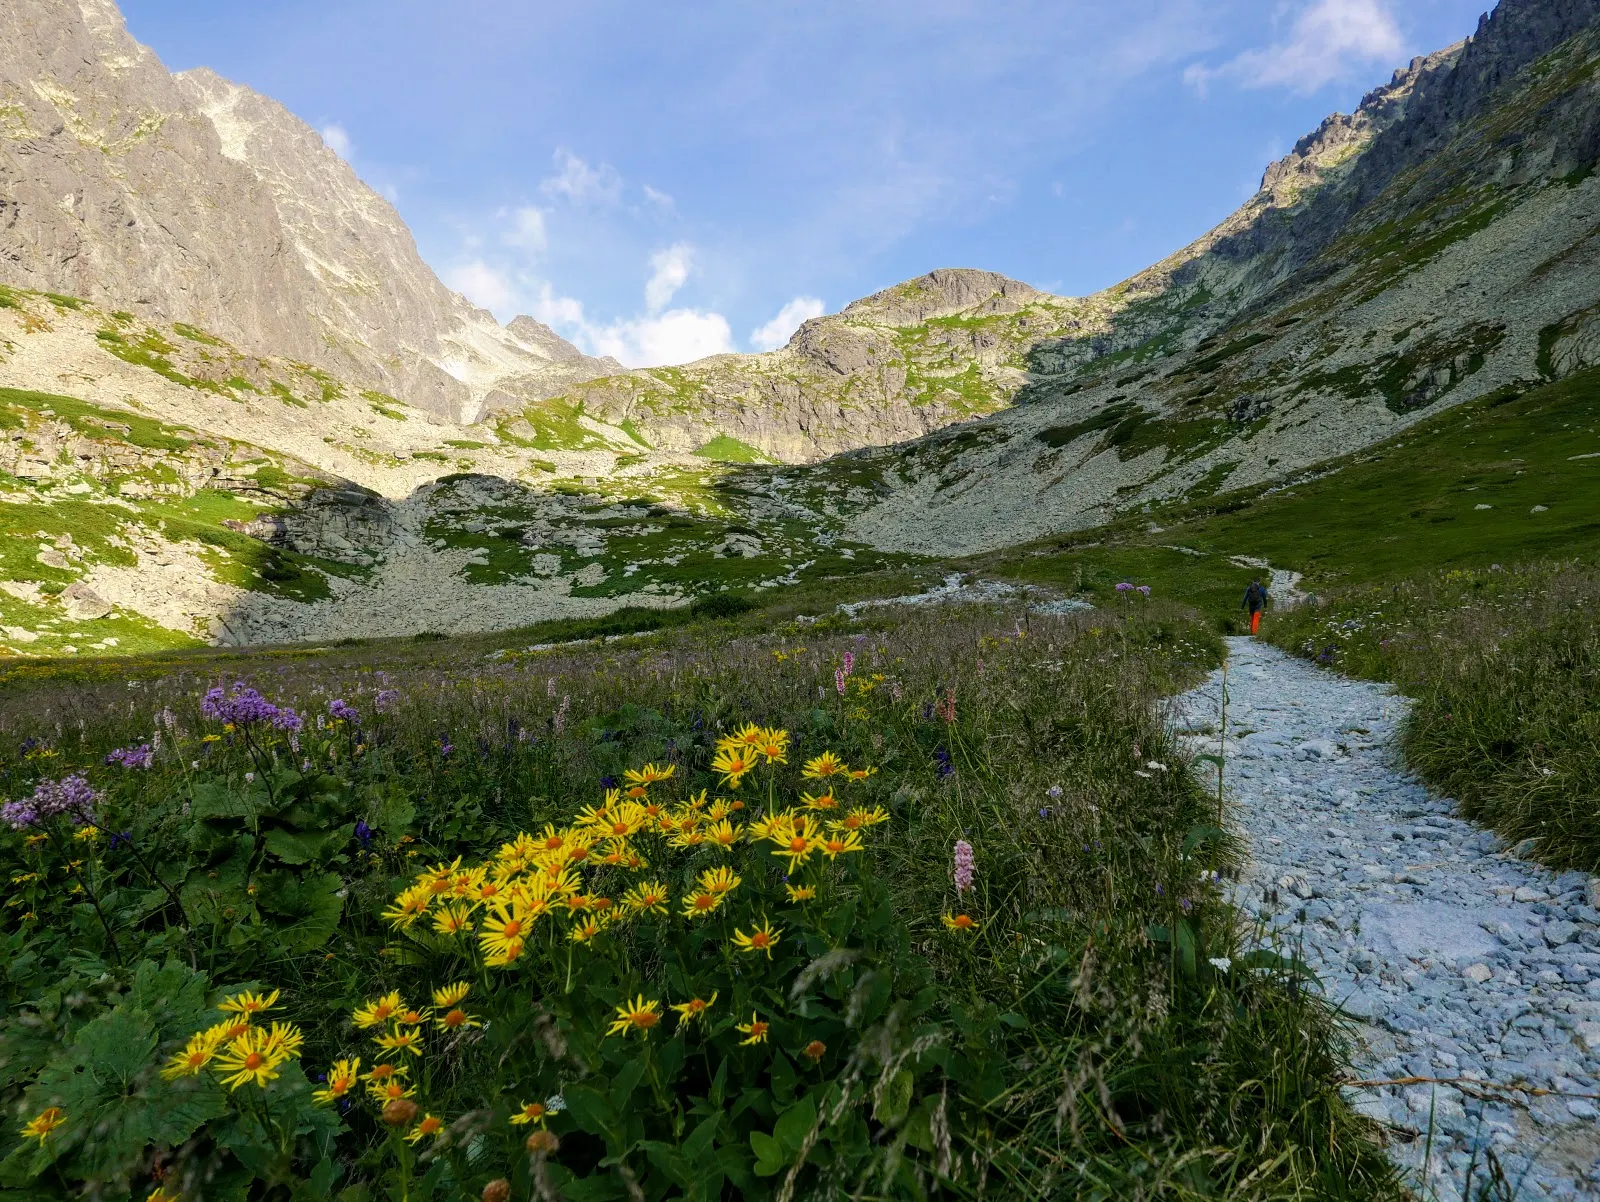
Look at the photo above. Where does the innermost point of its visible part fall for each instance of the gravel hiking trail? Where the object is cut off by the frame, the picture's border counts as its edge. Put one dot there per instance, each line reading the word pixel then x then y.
pixel 1471 977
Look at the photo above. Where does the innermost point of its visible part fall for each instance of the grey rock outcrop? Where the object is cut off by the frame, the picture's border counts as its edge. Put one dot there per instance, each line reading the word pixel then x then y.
pixel 189 198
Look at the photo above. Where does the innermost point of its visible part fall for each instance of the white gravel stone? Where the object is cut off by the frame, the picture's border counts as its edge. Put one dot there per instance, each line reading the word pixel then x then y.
pixel 1457 958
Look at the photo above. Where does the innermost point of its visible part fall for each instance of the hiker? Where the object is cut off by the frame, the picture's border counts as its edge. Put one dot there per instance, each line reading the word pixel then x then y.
pixel 1255 600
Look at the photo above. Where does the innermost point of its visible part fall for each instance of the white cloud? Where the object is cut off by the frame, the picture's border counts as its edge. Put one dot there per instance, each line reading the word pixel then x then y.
pixel 527 230
pixel 789 319
pixel 1327 39
pixel 483 285
pixel 669 269
pixel 582 184
pixel 658 198
pixel 337 139
pixel 677 336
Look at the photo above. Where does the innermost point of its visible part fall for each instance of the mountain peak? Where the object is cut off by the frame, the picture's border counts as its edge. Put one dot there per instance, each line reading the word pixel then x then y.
pixel 942 293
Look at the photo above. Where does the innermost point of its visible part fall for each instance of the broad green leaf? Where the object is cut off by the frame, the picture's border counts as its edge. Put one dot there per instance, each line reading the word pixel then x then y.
pixel 795 1124
pixel 769 1154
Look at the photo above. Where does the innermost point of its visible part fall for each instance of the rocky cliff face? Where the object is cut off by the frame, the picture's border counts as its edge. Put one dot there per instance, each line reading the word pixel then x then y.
pixel 191 199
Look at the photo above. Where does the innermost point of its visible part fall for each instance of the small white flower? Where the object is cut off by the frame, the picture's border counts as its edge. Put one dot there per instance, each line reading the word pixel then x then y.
pixel 1157 765
pixel 555 1103
pixel 1221 963
pixel 250 777
pixel 1145 775
pixel 194 764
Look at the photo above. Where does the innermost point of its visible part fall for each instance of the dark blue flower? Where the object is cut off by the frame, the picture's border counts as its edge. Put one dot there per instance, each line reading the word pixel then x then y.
pixel 364 833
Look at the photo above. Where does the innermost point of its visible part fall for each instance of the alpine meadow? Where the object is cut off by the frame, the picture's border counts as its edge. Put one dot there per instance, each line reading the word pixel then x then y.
pixel 997 744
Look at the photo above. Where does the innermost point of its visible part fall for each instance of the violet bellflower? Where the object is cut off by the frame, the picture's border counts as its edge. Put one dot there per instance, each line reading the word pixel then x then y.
pixel 337 709
pixel 386 700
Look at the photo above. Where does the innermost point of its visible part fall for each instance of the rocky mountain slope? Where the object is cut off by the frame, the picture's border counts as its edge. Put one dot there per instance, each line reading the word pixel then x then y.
pixel 1441 245
pixel 1438 245
pixel 188 198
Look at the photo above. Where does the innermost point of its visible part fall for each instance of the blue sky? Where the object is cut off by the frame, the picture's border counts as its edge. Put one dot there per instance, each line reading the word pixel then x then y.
pixel 664 180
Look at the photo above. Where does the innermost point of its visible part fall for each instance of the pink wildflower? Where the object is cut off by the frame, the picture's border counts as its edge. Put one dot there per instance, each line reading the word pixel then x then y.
pixel 965 866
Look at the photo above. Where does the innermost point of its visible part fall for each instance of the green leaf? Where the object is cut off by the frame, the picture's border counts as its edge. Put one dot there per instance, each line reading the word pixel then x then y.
pixel 769 1154
pixel 701 1138
pixel 172 995
pixel 895 1102
pixel 1201 834
pixel 311 904
pixel 624 1083
pixel 210 799
pixel 795 1124
pixel 1184 940
pixel 307 847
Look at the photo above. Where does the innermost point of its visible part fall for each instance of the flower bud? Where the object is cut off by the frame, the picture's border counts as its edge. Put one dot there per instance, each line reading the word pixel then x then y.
pixel 399 1112
pixel 543 1143
pixel 497 1190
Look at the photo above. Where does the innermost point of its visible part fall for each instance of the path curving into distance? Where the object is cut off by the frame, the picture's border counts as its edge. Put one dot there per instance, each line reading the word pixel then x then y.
pixel 1454 959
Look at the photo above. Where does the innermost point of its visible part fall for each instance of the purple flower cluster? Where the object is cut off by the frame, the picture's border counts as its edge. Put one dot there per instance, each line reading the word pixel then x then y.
pixel 341 712
pixel 942 764
pixel 246 707
pixel 141 756
pixel 385 700
pixel 965 866
pixel 72 795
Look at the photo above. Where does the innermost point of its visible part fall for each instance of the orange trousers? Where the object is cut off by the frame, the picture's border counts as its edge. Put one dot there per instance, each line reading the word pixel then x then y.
pixel 1255 621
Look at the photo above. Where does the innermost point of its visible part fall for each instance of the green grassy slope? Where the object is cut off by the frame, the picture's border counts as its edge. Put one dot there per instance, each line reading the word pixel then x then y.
pixel 1496 480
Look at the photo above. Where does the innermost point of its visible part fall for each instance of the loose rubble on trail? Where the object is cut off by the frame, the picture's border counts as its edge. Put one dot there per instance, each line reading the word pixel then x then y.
pixel 1455 960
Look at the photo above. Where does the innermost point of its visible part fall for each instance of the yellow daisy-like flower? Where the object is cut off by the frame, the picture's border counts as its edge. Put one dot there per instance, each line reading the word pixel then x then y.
pixel 87 834
pixel 384 1072
pixel 774 745
pixel 375 1014
pixel 649 774
pixel 720 809
pixel 697 801
pixel 638 1015
pixel 387 1091
pixel 746 736
pixel 249 1004
pixel 722 880
pixel 285 1038
pixel 797 843
pixel 342 1078
pixel 196 1054
pixel 822 801
pixel 162 1194
pixel 227 1030
pixel 533 1113
pixel 840 843
pixel 723 835
pixel 689 837
pixel 623 821
pixel 959 922
pixel 861 817
pixel 733 765
pixel 823 766
pixel 694 1008
pixel 647 897
pixel 860 774
pixel 401 1039
pixel 453 920
pixel 755 1030
pixel 587 930
pixel 409 905
pixel 455 1019
pixel 504 934
pixel 701 902
pixel 451 995
pixel 252 1059
pixel 762 939
pixel 42 1124
pixel 801 893
pixel 429 1125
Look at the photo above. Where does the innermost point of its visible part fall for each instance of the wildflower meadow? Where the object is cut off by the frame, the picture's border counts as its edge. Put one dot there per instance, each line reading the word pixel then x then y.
pixel 919 905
